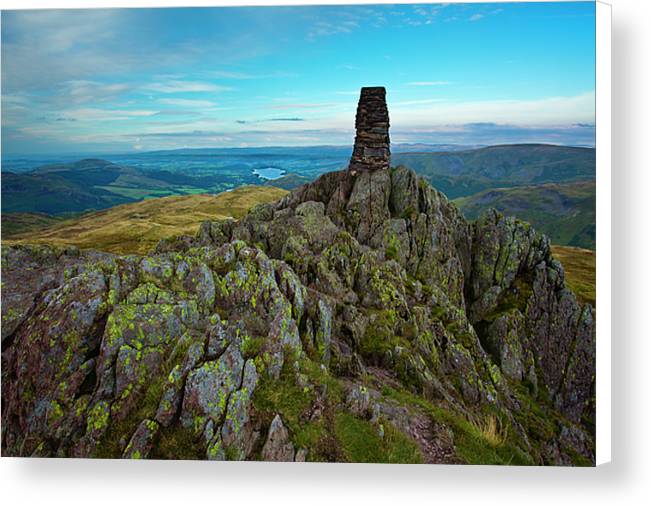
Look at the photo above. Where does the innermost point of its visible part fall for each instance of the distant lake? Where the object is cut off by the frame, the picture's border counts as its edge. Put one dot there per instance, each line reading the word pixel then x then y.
pixel 269 173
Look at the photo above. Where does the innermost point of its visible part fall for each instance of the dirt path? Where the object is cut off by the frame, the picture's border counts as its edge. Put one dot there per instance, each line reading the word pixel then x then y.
pixel 435 440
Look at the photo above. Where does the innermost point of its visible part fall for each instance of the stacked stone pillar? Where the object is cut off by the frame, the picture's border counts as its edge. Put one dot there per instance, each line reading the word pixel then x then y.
pixel 371 151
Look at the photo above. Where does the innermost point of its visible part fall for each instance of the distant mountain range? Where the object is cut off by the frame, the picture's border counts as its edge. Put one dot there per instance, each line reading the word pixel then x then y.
pixel 464 173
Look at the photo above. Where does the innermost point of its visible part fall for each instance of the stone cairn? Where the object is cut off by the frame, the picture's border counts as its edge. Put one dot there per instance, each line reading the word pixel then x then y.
pixel 371 151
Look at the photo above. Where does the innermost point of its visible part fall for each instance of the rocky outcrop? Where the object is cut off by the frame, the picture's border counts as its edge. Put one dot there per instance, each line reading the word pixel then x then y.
pixel 360 318
pixel 241 342
pixel 278 447
pixel 517 295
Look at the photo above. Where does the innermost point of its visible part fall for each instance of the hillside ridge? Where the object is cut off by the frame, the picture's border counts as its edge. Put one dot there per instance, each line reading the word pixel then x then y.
pixel 136 227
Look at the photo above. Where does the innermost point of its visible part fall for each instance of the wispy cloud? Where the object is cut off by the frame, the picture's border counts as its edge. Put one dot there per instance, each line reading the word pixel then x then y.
pixel 429 83
pixel 475 17
pixel 187 102
pixel 325 28
pixel 282 120
pixel 234 75
pixel 177 112
pixel 418 102
pixel 300 106
pixel 61 44
pixel 82 91
pixel 487 133
pixel 186 87
pixel 420 15
pixel 94 114
pixel 542 111
pixel 346 20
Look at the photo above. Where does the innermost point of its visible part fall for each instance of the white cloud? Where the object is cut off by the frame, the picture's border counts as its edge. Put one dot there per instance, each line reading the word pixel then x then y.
pixel 186 102
pixel 544 111
pixel 186 87
pixel 429 83
pixel 81 91
pixel 95 114
pixel 475 17
pixel 417 102
pixel 45 47
pixel 300 106
pixel 227 74
pixel 231 75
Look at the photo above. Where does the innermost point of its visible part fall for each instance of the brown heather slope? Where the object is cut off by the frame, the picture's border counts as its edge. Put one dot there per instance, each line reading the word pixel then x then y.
pixel 137 227
pixel 580 271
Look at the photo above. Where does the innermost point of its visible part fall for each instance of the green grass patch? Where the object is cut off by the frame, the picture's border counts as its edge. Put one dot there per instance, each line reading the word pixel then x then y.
pixel 119 431
pixel 474 444
pixel 380 335
pixel 178 443
pixel 360 442
pixel 131 193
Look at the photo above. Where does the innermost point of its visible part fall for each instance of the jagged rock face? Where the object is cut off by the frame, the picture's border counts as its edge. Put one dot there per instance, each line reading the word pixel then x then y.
pixel 371 150
pixel 518 290
pixel 193 350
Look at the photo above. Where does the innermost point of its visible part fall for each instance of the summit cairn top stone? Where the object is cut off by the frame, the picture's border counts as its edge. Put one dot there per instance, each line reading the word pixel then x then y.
pixel 371 151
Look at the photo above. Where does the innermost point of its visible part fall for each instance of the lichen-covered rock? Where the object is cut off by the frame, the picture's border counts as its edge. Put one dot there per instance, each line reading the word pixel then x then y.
pixel 189 351
pixel 504 339
pixel 236 431
pixel 208 389
pixel 170 401
pixel 278 447
pixel 512 267
pixel 142 441
pixel 359 401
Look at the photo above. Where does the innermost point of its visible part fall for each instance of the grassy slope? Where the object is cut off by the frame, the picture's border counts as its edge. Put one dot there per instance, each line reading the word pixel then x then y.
pixel 580 271
pixel 15 223
pixel 289 181
pixel 565 212
pixel 138 226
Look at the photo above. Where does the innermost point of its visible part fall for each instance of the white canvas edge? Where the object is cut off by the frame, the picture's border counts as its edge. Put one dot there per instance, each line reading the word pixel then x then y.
pixel 603 256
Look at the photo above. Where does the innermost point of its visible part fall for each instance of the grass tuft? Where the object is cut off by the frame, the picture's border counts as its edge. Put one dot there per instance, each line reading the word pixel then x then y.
pixel 491 430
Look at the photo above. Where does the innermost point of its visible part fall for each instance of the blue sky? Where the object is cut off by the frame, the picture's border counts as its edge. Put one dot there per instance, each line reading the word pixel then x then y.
pixel 145 79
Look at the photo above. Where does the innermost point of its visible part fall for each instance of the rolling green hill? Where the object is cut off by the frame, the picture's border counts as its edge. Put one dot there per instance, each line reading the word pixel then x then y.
pixel 289 181
pixel 565 212
pixel 94 184
pixel 55 193
pixel 463 173
pixel 137 227
pixel 17 223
